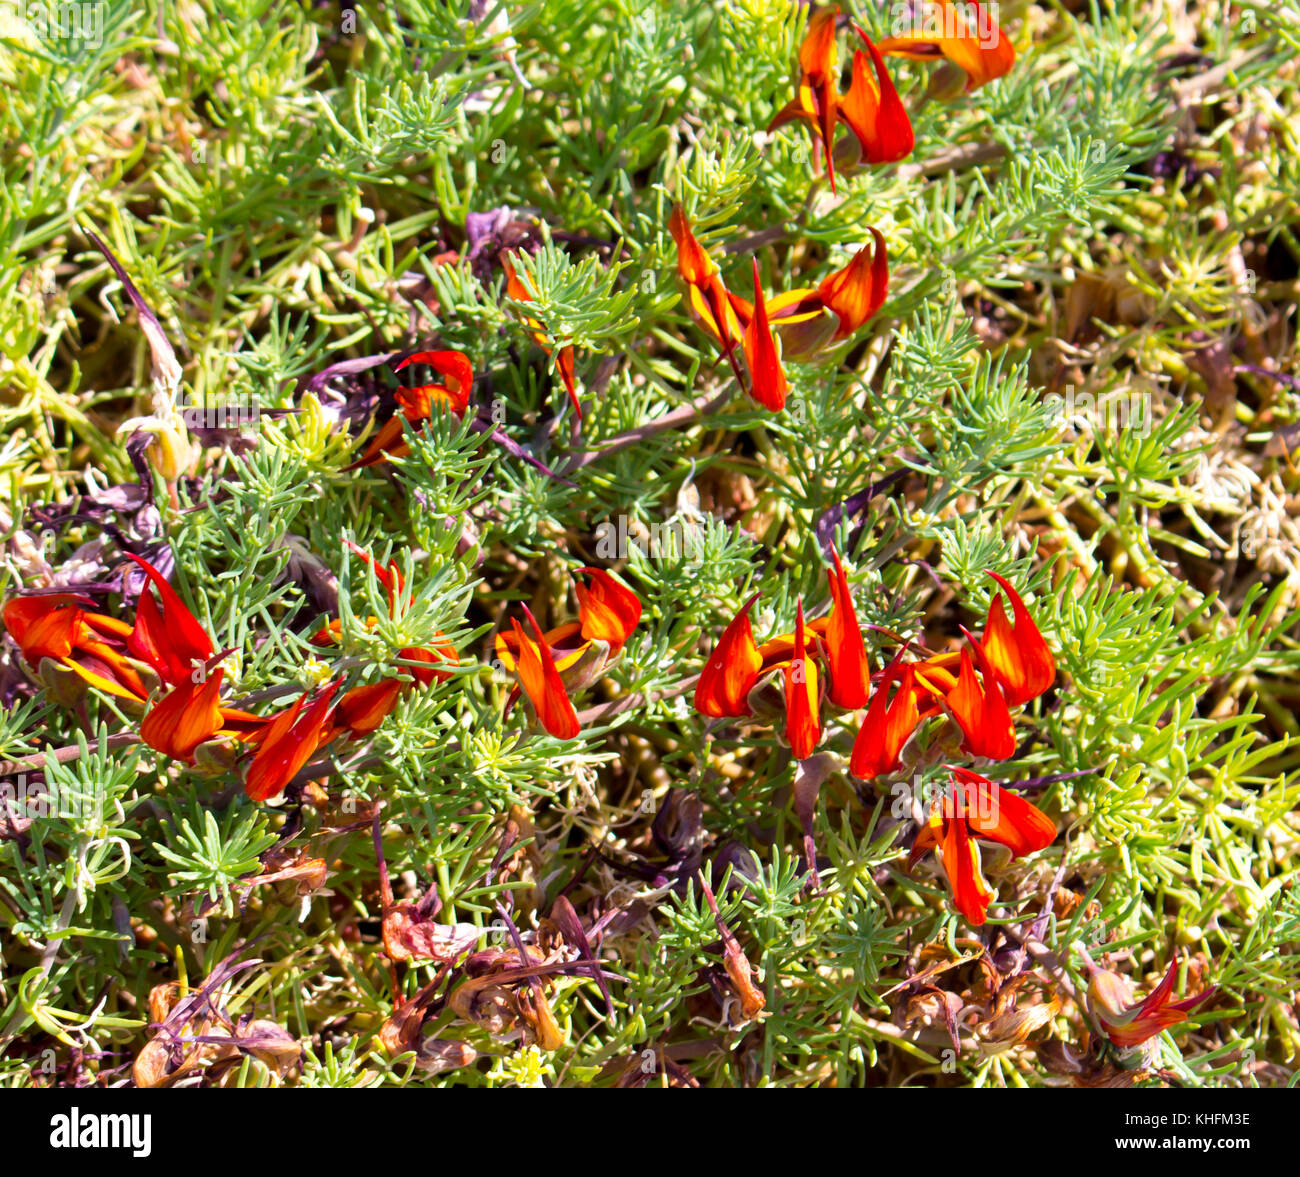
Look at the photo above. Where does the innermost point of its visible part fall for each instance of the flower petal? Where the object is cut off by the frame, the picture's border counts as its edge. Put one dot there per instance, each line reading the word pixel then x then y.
pixel 607 611
pixel 535 668
pixel 731 670
pixel 802 723
pixel 767 382
pixel 850 674
pixel 1019 656
pixel 856 292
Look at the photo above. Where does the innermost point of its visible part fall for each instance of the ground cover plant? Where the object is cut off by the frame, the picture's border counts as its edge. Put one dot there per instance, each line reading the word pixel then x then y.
pixel 634 544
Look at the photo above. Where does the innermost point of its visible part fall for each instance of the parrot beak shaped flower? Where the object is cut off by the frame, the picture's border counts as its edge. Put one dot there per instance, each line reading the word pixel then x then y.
pixel 888 725
pixel 170 640
pixel 816 101
pixel 44 626
pixel 362 709
pixel 418 403
pixel 802 725
pixel 731 670
pixel 1131 1025
pixel 983 52
pixel 516 289
pixel 855 293
pixel 287 743
pixel 767 382
pixel 977 705
pixel 873 111
pixel 607 611
pixel 187 716
pixel 974 808
pixel 541 682
pixel 1019 656
pixel 708 296
pixel 846 654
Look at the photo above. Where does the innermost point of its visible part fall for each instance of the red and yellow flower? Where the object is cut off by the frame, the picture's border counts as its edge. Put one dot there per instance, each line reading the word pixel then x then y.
pixel 974 808
pixel 551 665
pixel 1007 666
pixel 1128 1023
pixel 166 645
pixel 806 319
pixel 983 53
pixel 419 404
pixel 870 108
pixel 831 645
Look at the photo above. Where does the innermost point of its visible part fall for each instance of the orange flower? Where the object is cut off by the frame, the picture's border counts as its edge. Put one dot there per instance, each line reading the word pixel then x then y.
pixel 286 743
pixel 608 611
pixel 731 671
pixel 417 404
pixel 171 640
pixel 802 726
pixel 979 709
pixel 1018 655
pixel 707 295
pixel 454 395
pixel 975 807
pixel 564 362
pixel 362 709
pixel 846 654
pixel 767 383
pixel 873 111
pixel 1131 1025
pixel 44 626
pixel 541 682
pixel 816 102
pixel 856 292
pixel 577 653
pixel 983 52
pixel 888 726
pixel 189 714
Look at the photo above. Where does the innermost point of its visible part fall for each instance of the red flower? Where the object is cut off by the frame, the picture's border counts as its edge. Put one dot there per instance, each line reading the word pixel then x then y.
pixel 540 679
pixel 802 725
pixel 171 640
pixel 189 714
pixel 706 293
pixel 873 111
pixel 570 656
pixel 888 725
pixel 816 101
pixel 607 611
pixel 846 653
pixel 731 670
pixel 984 52
pixel 418 404
pixel 856 292
pixel 1132 1025
pixel 767 382
pixel 973 808
pixel 979 709
pixel 362 709
pixel 286 743
pixel 1017 654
